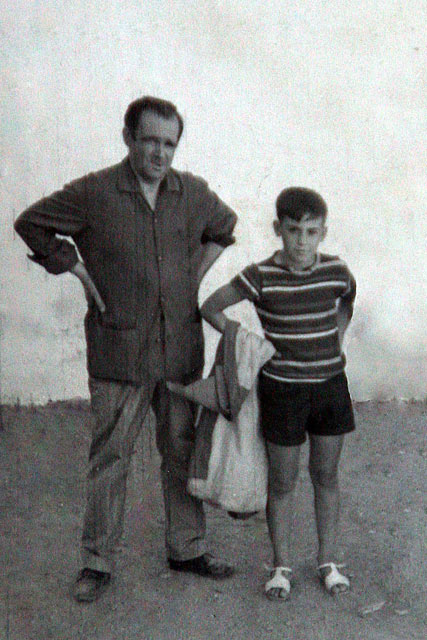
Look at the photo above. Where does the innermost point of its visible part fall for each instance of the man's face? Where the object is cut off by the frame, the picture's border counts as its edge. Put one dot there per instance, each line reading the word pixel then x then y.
pixel 300 239
pixel 152 149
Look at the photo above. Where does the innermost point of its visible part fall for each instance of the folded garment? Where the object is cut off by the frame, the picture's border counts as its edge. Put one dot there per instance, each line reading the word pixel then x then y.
pixel 229 463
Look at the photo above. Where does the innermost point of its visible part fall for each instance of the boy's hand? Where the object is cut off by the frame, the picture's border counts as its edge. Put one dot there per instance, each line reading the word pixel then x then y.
pixel 91 292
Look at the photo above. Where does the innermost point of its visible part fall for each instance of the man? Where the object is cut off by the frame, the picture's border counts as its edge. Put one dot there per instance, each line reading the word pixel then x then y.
pixel 147 234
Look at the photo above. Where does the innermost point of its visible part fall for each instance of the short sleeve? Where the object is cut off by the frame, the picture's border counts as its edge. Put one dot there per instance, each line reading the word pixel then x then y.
pixel 248 283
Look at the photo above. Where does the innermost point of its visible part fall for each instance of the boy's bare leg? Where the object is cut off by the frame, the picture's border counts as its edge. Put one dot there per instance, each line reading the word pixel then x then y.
pixel 282 476
pixel 325 453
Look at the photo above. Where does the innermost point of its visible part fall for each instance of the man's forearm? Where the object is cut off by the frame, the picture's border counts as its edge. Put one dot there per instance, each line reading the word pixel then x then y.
pixel 89 286
pixel 211 253
pixel 61 213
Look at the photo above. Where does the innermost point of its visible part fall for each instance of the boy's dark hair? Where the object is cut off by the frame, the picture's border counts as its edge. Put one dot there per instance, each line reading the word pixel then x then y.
pixel 295 202
pixel 148 103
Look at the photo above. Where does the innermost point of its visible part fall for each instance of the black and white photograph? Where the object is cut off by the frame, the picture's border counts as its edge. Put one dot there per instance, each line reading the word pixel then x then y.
pixel 213 346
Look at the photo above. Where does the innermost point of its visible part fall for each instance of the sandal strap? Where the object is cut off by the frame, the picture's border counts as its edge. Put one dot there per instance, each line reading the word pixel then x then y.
pixel 275 569
pixel 331 565
pixel 278 580
pixel 333 578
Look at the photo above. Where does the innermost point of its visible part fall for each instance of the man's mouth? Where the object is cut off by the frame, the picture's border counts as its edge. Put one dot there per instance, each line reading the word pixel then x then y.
pixel 158 168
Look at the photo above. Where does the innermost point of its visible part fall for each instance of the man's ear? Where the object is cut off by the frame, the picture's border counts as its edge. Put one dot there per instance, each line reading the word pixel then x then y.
pixel 127 136
pixel 276 227
pixel 324 233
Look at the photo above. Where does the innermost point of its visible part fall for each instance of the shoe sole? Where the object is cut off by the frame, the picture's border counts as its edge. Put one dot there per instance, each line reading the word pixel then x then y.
pixel 87 599
pixel 203 573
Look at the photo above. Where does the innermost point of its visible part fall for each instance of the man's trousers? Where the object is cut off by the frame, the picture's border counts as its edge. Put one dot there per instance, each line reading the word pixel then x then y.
pixel 119 410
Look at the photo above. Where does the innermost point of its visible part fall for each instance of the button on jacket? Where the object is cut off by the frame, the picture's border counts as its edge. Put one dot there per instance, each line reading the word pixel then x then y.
pixel 144 264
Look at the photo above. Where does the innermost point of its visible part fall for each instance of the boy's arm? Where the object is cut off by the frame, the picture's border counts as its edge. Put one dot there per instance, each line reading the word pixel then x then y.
pixel 345 306
pixel 344 314
pixel 212 309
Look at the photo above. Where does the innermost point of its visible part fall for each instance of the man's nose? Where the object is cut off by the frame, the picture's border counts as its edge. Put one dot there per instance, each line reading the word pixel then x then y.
pixel 160 149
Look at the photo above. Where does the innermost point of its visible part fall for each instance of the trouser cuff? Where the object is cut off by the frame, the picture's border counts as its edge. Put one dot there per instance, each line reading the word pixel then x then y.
pixel 97 563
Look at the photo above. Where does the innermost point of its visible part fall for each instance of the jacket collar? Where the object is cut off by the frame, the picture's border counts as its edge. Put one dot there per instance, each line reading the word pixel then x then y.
pixel 127 180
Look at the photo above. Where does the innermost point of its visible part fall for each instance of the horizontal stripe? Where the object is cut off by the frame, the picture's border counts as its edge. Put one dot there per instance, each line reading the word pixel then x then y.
pixel 313 363
pixel 301 336
pixel 331 263
pixel 265 268
pixel 297 317
pixel 304 287
pixel 283 379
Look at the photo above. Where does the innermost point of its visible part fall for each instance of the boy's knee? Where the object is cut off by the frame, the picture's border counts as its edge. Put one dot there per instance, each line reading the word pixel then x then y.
pixel 324 478
pixel 278 486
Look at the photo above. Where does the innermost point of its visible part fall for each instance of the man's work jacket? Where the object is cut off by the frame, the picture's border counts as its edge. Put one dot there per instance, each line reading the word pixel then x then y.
pixel 144 264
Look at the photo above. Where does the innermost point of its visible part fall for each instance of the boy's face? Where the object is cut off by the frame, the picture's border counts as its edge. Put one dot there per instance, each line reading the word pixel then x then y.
pixel 300 239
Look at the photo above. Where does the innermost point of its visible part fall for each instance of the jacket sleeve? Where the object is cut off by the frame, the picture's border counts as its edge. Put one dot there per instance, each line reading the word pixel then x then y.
pixel 62 213
pixel 220 219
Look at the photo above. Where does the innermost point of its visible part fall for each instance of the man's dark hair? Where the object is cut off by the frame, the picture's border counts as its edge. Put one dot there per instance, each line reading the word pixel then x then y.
pixel 163 108
pixel 295 202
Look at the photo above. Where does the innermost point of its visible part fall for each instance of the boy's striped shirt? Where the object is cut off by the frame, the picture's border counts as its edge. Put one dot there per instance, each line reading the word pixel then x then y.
pixel 298 312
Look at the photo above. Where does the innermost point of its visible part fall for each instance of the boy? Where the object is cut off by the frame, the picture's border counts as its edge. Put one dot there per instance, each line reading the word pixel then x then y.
pixel 304 300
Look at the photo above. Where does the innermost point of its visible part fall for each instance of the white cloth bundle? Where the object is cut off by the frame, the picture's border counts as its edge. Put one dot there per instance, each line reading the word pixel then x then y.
pixel 229 465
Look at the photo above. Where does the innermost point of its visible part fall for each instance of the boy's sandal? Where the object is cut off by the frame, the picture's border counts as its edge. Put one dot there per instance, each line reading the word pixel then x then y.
pixel 333 579
pixel 279 584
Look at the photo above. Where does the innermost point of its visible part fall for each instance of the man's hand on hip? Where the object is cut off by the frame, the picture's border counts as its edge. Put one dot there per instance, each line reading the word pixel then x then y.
pixel 91 292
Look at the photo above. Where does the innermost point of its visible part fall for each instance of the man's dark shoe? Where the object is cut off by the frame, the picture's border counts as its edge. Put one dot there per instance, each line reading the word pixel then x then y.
pixel 90 584
pixel 205 565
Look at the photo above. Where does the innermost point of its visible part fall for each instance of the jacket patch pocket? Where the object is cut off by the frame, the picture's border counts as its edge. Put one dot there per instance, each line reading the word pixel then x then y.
pixel 112 352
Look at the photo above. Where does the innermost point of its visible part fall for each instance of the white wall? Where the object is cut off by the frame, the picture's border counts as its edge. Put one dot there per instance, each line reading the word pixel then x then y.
pixel 323 94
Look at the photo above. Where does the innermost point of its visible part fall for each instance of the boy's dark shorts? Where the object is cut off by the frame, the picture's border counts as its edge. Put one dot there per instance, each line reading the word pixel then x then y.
pixel 290 409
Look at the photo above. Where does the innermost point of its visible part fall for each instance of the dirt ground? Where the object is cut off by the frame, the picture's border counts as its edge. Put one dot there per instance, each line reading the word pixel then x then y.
pixel 42 473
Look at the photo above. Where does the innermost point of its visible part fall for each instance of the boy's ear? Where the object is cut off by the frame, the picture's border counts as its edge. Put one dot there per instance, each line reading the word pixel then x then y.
pixel 276 227
pixel 324 233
